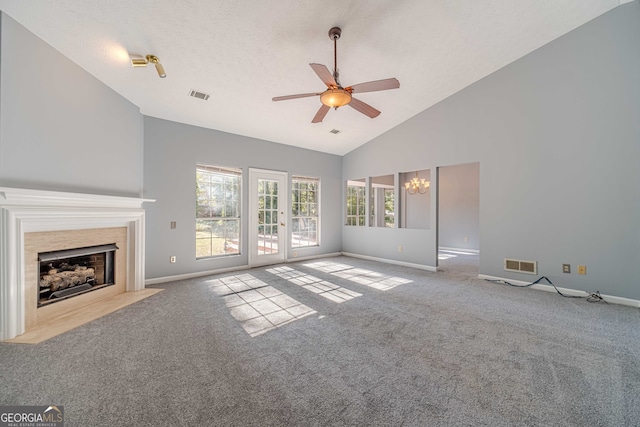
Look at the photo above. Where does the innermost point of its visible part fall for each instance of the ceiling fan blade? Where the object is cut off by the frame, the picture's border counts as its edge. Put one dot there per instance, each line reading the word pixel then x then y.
pixel 324 74
pixel 385 84
pixel 301 95
pixel 364 108
pixel 320 114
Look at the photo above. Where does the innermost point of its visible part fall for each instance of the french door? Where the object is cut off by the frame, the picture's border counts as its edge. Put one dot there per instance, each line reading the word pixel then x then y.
pixel 268 216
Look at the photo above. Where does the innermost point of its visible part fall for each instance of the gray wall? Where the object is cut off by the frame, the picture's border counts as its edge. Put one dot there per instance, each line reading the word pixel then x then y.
pixel 171 152
pixel 54 113
pixel 61 128
pixel 459 206
pixel 557 134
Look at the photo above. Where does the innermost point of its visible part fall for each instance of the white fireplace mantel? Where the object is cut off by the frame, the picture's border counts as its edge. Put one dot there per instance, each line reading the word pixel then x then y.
pixel 25 210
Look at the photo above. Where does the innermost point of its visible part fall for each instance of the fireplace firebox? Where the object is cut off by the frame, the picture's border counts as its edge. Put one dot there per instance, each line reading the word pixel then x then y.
pixel 70 272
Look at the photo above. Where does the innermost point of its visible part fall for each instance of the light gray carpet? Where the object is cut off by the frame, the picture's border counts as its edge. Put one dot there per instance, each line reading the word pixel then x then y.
pixel 442 349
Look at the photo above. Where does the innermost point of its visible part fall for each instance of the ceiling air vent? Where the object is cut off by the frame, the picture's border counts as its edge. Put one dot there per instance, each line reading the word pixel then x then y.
pixel 519 266
pixel 335 131
pixel 199 95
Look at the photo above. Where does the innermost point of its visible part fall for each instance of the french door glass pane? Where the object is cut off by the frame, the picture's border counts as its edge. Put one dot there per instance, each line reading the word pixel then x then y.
pixel 267 217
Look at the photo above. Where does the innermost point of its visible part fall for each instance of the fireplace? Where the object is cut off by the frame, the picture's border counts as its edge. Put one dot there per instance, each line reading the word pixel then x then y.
pixel 67 273
pixel 36 222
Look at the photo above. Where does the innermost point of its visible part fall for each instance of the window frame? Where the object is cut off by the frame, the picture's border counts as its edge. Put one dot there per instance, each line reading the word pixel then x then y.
pixel 379 216
pixel 360 215
pixel 305 179
pixel 236 205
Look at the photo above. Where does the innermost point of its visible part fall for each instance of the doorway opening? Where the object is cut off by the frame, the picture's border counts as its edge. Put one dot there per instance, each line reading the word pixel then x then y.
pixel 459 218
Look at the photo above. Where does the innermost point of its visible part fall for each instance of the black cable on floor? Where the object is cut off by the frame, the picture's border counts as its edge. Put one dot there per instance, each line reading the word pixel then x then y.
pixel 590 297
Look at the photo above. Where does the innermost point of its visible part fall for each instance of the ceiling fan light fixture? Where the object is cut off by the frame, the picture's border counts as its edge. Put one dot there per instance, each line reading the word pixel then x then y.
pixel 335 98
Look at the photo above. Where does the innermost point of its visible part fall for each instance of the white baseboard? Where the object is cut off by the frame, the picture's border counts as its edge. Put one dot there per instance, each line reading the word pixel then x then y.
pixel 185 276
pixel 391 261
pixel 570 292
pixel 471 251
pixel 307 258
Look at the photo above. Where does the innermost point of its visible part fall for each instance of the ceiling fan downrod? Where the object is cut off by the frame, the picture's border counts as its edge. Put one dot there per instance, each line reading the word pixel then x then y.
pixel 334 34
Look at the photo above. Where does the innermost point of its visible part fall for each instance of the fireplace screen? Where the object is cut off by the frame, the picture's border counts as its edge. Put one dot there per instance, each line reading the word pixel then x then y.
pixel 72 272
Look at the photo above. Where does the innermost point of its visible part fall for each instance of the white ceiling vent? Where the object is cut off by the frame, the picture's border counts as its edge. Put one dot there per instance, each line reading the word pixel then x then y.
pixel 519 266
pixel 198 94
pixel 335 131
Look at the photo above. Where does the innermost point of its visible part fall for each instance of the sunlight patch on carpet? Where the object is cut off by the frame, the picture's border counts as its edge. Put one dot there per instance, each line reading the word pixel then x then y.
pixel 450 253
pixel 258 307
pixel 328 266
pixel 318 286
pixel 361 276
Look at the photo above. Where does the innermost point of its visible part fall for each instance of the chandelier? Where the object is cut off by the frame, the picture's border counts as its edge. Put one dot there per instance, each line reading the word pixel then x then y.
pixel 417 185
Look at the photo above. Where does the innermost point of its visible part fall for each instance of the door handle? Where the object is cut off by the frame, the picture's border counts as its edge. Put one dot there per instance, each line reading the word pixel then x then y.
pixel 282 224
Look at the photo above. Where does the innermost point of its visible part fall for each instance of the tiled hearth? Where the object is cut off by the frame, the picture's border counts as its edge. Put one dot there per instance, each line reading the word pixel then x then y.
pixel 33 221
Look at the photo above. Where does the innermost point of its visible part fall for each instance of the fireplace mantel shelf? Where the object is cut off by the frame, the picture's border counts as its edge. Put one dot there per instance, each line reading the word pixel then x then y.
pixel 27 197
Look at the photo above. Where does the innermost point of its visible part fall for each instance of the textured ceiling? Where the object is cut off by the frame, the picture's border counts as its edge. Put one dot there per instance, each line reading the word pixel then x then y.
pixel 243 53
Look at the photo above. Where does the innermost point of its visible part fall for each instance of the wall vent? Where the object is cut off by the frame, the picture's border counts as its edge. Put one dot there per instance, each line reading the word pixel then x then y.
pixel 519 266
pixel 199 95
pixel 335 131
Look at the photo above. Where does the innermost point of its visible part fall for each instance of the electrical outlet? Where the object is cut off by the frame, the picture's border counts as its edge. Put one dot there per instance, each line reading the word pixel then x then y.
pixel 582 269
pixel 399 248
pixel 172 260
pixel 566 268
pixel 173 225
pixel 295 254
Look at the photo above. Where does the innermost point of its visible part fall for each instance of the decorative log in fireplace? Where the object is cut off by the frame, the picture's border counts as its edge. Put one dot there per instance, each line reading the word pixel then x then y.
pixel 66 276
pixel 70 272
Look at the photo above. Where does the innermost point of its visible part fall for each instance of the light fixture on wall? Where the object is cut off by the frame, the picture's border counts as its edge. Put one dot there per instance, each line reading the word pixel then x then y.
pixel 417 185
pixel 142 61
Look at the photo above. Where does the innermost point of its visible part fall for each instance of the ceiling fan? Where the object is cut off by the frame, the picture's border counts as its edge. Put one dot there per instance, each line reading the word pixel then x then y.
pixel 337 96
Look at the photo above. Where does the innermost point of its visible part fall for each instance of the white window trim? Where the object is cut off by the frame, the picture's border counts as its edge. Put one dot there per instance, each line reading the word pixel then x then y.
pixel 319 209
pixel 240 173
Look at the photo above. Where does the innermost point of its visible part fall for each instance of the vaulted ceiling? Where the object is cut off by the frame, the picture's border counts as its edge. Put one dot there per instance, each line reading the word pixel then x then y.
pixel 244 52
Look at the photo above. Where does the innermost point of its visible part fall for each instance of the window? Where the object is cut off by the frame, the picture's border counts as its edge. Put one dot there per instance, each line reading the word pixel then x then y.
pixel 217 211
pixel 382 203
pixel 389 202
pixel 304 211
pixel 268 197
pixel 356 202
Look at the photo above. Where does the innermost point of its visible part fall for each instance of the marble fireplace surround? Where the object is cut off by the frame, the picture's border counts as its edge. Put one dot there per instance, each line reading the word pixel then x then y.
pixel 28 211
